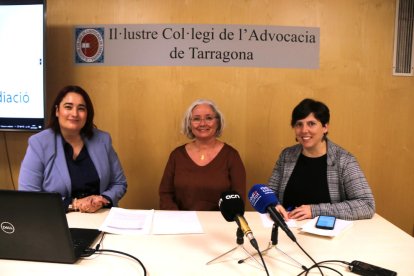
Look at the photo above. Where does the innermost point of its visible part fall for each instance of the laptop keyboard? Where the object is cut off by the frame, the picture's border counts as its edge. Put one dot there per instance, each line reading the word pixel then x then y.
pixel 82 239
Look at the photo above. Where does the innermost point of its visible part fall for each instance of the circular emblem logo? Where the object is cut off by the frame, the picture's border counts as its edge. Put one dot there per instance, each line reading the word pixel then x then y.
pixel 89 45
pixel 7 227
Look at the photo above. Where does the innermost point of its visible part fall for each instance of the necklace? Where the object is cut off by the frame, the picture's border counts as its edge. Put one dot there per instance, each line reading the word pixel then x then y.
pixel 203 155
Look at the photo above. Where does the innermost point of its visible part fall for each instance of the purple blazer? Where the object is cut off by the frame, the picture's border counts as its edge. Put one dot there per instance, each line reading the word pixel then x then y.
pixel 44 166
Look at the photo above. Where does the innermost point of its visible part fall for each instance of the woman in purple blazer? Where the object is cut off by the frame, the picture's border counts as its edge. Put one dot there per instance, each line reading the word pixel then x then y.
pixel 72 157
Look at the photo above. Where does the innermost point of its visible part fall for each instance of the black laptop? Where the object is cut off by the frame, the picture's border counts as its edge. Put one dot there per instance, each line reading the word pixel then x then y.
pixel 33 227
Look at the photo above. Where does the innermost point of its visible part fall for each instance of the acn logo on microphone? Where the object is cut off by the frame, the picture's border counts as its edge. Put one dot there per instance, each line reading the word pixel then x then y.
pixel 232 196
pixel 227 197
pixel 7 227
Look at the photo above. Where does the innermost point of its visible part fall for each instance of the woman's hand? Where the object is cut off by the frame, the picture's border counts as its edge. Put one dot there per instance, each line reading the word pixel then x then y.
pixel 90 204
pixel 282 211
pixel 300 213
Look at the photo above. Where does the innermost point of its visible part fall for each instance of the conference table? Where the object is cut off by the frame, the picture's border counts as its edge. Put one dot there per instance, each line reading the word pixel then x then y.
pixel 375 241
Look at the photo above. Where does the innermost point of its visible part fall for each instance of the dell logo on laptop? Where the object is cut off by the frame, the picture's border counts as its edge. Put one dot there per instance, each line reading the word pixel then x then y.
pixel 7 227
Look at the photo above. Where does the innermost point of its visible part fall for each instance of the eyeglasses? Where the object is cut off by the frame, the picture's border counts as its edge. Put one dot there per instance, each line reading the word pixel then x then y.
pixel 207 120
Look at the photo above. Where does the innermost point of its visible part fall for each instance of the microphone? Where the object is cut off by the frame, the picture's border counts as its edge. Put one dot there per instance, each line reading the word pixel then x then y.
pixel 264 200
pixel 232 208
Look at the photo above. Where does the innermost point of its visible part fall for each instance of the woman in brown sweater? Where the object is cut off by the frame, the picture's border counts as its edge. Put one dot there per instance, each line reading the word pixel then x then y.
pixel 199 171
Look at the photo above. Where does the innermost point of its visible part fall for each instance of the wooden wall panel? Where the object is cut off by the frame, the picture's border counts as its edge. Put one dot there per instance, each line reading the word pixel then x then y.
pixel 142 107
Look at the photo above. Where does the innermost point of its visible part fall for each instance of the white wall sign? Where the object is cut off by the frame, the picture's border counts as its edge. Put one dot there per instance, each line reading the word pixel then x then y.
pixel 197 45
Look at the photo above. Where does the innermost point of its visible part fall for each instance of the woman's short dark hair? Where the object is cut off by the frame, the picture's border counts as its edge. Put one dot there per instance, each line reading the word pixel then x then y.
pixel 87 129
pixel 308 106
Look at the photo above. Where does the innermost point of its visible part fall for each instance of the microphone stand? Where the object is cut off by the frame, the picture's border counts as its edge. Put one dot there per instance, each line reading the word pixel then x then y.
pixel 240 242
pixel 273 244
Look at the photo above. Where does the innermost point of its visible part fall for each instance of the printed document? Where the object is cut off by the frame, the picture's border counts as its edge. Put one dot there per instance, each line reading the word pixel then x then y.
pixel 124 221
pixel 176 222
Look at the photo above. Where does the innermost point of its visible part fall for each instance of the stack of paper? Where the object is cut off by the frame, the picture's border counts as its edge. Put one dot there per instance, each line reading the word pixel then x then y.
pixel 124 221
pixel 340 226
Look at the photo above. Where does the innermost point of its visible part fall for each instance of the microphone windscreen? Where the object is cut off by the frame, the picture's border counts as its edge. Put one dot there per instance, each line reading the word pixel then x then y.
pixel 231 205
pixel 261 196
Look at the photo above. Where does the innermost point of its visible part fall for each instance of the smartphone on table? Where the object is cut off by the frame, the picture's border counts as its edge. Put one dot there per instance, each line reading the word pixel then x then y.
pixel 326 222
